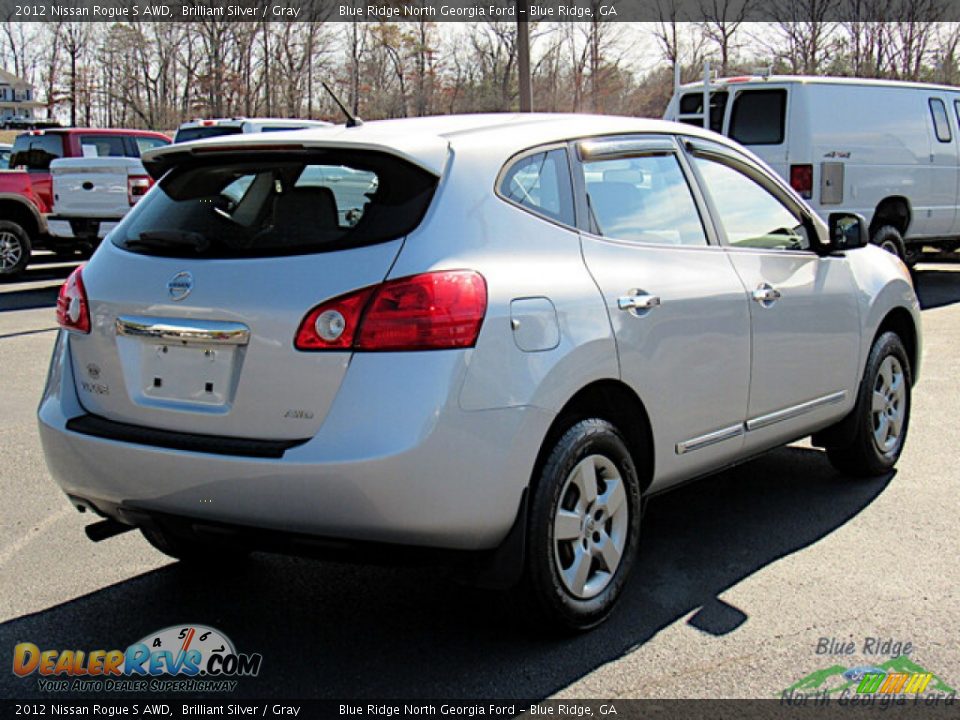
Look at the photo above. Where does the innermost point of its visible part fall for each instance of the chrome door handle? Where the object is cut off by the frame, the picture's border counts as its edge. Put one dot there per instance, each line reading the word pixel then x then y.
pixel 638 302
pixel 766 295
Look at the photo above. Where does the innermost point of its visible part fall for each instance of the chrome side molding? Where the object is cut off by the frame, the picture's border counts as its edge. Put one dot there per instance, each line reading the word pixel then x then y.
pixel 709 439
pixel 202 332
pixel 795 410
pixel 728 433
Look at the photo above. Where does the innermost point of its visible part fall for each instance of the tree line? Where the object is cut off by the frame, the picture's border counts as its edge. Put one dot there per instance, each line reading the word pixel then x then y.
pixel 156 75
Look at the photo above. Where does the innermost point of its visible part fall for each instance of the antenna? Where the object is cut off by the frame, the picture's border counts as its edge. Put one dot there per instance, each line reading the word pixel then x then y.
pixel 351 120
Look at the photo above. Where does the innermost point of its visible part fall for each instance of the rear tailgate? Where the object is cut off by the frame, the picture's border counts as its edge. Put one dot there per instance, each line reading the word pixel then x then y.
pixel 197 298
pixel 93 187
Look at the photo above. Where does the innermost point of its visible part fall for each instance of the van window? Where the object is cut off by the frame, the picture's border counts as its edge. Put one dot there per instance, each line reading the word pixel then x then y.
pixel 541 183
pixel 34 152
pixel 692 104
pixel 941 123
pixel 758 117
pixel 643 199
pixel 269 205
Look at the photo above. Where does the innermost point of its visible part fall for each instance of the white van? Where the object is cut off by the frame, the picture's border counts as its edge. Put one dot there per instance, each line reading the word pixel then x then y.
pixel 202 129
pixel 887 150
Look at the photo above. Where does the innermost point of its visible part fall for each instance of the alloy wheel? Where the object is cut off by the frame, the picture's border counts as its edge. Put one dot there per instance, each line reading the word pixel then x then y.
pixel 889 405
pixel 11 250
pixel 590 526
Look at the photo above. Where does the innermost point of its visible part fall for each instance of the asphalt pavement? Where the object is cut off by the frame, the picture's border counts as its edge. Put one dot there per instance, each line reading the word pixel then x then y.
pixel 741 577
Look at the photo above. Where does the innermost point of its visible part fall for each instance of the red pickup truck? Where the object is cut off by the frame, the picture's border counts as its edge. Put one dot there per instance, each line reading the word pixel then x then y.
pixel 26 187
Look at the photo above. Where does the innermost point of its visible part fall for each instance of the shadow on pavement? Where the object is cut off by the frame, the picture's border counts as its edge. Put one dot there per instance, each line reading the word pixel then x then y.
pixel 15 296
pixel 339 631
pixel 937 288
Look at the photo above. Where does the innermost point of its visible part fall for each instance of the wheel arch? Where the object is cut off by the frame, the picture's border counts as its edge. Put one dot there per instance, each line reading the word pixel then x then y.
pixel 895 211
pixel 22 212
pixel 616 402
pixel 900 321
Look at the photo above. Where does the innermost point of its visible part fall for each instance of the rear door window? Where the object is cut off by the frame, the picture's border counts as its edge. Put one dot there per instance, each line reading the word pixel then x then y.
pixel 276 205
pixel 35 152
pixel 941 123
pixel 103 146
pixel 759 117
pixel 643 199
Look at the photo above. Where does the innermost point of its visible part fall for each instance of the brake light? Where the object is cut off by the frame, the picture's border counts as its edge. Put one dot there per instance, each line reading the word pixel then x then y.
pixel 137 186
pixel 801 180
pixel 432 311
pixel 73 310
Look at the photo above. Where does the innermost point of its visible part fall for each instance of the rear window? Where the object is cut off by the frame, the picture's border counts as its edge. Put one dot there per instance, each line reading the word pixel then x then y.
pixel 199 133
pixel 145 143
pixel 92 146
pixel 274 205
pixel 35 152
pixel 758 117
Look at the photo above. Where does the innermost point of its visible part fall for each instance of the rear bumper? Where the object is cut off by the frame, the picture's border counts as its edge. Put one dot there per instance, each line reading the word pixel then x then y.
pixel 79 228
pixel 404 470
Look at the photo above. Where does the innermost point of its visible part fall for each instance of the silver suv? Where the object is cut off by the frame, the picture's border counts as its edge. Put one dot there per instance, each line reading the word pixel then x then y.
pixel 493 336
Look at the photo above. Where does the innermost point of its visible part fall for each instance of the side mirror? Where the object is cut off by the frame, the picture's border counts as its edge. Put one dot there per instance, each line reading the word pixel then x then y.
pixel 848 231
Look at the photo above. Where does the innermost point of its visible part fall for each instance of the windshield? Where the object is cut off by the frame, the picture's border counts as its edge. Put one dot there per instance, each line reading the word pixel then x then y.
pixel 261 206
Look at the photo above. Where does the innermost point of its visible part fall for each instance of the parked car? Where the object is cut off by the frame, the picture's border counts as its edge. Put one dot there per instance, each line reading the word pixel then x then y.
pixel 886 150
pixel 534 323
pixel 91 195
pixel 26 195
pixel 201 129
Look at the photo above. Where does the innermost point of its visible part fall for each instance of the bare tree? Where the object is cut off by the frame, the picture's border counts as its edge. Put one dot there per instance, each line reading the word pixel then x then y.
pixel 721 21
pixel 804 36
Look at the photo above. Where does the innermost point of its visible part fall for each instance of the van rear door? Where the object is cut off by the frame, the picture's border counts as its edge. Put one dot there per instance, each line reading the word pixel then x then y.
pixel 758 120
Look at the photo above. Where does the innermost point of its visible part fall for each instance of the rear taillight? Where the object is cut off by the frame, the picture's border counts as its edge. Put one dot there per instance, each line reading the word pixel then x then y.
pixel 801 180
pixel 73 310
pixel 137 186
pixel 432 311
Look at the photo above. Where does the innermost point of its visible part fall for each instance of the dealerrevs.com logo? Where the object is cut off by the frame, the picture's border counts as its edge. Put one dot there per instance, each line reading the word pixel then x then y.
pixel 180 658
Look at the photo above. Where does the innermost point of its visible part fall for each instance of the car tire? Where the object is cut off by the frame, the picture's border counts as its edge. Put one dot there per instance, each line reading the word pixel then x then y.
pixel 889 238
pixel 192 551
pixel 573 582
pixel 15 249
pixel 882 413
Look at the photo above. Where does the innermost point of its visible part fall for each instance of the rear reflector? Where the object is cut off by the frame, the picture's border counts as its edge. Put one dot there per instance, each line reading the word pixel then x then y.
pixel 73 310
pixel 432 311
pixel 801 180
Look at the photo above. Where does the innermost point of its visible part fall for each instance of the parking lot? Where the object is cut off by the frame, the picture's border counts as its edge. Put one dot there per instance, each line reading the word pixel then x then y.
pixel 740 579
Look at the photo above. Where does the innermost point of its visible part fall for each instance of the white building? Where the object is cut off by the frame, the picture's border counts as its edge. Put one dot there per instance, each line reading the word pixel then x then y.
pixel 17 99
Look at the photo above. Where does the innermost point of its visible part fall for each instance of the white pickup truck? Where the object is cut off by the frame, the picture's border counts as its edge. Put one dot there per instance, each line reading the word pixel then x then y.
pixel 91 195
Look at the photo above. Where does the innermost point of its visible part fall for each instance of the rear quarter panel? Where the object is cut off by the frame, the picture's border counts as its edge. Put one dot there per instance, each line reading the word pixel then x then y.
pixel 521 256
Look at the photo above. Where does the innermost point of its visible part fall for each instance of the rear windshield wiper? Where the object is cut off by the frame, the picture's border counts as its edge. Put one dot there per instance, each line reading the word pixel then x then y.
pixel 162 239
